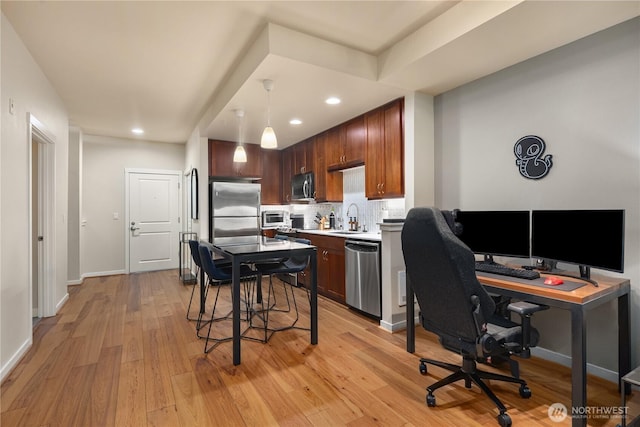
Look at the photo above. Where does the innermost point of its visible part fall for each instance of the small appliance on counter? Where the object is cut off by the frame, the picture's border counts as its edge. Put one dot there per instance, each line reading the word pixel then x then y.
pixel 297 221
pixel 273 219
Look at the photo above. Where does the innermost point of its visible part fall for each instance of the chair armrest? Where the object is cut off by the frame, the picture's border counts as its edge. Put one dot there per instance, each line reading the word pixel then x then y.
pixel 524 308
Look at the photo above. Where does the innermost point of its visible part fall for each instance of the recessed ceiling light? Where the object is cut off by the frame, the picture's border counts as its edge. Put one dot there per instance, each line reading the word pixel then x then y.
pixel 137 131
pixel 295 121
pixel 333 100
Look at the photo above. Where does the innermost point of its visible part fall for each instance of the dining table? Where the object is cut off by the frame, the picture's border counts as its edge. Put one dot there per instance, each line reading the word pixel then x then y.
pixel 259 250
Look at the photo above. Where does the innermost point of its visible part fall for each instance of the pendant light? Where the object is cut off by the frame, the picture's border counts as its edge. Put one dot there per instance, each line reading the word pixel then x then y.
pixel 269 139
pixel 240 155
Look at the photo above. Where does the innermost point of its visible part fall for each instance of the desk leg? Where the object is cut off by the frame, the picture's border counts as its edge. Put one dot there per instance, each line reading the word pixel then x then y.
pixel 314 298
pixel 578 364
pixel 235 283
pixel 411 324
pixel 624 341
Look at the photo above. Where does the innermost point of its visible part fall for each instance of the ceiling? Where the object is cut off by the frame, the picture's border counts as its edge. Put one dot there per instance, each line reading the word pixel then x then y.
pixel 171 66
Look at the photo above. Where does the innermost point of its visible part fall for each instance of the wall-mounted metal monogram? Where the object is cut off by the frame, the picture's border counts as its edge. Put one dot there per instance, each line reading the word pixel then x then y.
pixel 529 152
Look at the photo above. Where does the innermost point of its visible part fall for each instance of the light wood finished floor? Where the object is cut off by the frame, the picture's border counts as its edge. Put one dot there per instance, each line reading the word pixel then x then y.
pixel 121 353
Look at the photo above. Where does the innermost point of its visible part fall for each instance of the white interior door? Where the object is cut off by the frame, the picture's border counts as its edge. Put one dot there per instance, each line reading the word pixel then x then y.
pixel 153 221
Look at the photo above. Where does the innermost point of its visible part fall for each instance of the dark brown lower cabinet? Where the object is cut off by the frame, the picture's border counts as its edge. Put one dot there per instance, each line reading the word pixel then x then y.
pixel 330 266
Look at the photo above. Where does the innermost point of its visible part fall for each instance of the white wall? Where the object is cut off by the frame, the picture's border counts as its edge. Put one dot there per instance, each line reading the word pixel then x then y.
pixel 103 188
pixel 197 156
pixel 75 201
pixel 24 82
pixel 584 101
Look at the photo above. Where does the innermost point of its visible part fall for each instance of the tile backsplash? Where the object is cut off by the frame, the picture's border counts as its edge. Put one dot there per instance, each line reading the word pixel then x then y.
pixel 369 212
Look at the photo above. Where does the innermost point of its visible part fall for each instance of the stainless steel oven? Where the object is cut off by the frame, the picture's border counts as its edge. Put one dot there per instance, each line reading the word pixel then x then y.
pixel 273 219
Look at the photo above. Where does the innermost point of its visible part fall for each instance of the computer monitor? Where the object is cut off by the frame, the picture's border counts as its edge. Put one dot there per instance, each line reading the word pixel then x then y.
pixel 588 238
pixel 501 233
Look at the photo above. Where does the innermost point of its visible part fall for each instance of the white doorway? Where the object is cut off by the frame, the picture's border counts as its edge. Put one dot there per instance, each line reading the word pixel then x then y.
pixel 152 219
pixel 42 269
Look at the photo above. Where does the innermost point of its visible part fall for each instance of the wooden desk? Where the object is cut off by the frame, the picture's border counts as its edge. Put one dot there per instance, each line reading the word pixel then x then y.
pixel 578 302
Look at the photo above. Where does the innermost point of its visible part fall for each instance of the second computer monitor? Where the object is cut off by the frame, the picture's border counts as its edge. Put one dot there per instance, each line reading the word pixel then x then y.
pixel 503 233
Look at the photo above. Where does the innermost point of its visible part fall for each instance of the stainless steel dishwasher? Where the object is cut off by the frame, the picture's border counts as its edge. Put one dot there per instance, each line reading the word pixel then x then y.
pixel 362 276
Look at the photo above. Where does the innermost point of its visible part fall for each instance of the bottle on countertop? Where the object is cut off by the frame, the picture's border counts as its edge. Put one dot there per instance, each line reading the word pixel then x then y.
pixel 332 220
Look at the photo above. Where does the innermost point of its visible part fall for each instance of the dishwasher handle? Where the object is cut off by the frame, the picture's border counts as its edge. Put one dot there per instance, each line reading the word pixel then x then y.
pixel 359 245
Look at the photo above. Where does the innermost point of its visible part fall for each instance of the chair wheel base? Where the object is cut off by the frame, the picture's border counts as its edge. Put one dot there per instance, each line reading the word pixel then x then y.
pixel 423 368
pixel 525 392
pixel 431 400
pixel 504 420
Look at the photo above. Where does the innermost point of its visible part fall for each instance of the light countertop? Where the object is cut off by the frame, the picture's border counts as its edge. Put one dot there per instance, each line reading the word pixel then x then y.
pixel 358 235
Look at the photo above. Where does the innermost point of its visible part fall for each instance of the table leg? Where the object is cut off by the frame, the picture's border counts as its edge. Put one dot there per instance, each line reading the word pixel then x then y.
pixel 411 325
pixel 624 342
pixel 578 364
pixel 314 298
pixel 235 283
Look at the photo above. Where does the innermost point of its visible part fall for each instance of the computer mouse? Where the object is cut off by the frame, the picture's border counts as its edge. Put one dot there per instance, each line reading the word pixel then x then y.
pixel 553 281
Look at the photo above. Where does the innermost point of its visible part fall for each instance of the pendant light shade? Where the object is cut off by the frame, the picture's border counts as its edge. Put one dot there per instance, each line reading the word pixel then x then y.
pixel 240 155
pixel 268 139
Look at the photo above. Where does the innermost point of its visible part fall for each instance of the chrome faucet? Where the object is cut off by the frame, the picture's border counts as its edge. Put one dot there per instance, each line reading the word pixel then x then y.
pixel 353 225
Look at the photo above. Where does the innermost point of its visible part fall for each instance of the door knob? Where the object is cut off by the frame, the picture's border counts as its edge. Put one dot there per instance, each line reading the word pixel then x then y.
pixel 133 226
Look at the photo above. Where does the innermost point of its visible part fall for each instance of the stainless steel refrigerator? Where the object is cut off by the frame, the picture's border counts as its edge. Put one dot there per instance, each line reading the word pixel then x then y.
pixel 235 212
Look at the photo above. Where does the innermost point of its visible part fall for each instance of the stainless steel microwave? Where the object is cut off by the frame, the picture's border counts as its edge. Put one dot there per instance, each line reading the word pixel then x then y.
pixel 302 186
pixel 273 219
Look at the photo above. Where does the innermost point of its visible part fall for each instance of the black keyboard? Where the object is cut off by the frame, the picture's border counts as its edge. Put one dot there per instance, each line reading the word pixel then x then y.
pixel 503 270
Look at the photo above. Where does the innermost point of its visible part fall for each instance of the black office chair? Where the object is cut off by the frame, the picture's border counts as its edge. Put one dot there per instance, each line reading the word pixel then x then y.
pixel 455 306
pixel 292 266
pixel 220 274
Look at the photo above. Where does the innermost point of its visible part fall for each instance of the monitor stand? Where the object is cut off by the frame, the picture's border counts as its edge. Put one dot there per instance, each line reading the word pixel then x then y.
pixel 488 259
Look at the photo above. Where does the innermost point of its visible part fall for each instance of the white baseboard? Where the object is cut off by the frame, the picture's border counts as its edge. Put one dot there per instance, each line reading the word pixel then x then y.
pixel 397 326
pixel 391 327
pixel 75 282
pixel 102 273
pixel 13 361
pixel 565 360
pixel 62 302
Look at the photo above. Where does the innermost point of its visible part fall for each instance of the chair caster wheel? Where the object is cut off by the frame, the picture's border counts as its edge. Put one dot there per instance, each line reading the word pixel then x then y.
pixel 525 392
pixel 504 420
pixel 431 400
pixel 423 368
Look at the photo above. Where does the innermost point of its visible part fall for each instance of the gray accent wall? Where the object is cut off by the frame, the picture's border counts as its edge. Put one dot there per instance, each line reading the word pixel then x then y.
pixel 583 99
pixel 104 160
